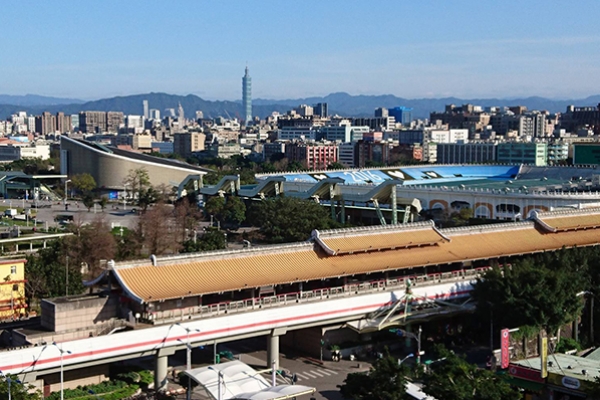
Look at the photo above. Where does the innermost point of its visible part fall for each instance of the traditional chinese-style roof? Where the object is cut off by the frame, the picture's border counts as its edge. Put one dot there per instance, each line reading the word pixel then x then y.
pixel 338 253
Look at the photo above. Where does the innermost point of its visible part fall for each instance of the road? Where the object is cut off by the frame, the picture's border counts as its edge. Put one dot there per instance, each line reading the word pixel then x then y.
pixel 324 377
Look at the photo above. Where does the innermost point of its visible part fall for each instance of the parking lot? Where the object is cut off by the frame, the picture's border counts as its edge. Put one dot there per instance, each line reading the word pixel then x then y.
pixel 47 212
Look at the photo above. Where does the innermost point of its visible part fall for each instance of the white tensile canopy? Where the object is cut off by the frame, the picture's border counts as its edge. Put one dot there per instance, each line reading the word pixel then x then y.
pixel 240 381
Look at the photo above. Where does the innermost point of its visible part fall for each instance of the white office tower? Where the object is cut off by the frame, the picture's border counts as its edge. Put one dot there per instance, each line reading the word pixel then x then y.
pixel 146 113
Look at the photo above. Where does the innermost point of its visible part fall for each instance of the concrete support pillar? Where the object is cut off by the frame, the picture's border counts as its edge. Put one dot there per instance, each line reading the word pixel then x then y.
pixel 160 372
pixel 31 246
pixel 44 244
pixel 408 329
pixel 272 351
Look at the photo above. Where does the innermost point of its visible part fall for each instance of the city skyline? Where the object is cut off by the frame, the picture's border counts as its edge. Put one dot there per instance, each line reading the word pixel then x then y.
pixel 411 50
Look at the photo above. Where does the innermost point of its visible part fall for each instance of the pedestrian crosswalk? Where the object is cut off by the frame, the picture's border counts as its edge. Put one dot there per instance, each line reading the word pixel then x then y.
pixel 307 375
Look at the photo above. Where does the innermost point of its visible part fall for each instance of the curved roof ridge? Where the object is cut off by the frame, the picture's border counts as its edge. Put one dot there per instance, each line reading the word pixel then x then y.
pixel 467 230
pixel 215 255
pixel 567 212
pixel 376 229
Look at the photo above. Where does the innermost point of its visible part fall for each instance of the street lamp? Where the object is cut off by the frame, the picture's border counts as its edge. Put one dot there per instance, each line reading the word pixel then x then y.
pixel 9 380
pixel 125 196
pixel 65 202
pixel 188 354
pixel 419 345
pixel 62 352
pixel 405 358
pixel 219 379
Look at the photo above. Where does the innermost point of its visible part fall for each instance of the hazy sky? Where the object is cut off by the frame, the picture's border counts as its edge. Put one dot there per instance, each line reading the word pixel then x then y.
pixel 409 48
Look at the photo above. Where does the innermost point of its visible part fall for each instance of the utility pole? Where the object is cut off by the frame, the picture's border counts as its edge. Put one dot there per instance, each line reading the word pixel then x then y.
pixel 67 277
pixel 419 346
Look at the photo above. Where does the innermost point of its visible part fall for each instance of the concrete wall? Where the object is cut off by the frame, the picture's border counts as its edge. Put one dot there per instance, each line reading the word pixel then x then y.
pixel 71 314
pixel 74 378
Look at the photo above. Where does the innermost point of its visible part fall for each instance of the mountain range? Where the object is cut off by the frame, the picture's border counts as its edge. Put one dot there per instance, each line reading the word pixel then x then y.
pixel 339 103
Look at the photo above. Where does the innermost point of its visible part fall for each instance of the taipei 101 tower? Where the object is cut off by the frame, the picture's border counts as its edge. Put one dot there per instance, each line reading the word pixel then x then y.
pixel 247 97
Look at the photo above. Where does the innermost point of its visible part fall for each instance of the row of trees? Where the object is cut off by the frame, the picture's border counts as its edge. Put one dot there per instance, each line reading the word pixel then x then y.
pixel 451 377
pixel 542 291
pixel 280 220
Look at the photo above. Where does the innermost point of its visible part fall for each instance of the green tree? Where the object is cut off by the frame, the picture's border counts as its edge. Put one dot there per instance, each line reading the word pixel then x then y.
pixel 18 391
pixel 214 206
pixel 138 181
pixel 88 201
pixel 539 291
pixel 84 183
pixel 295 166
pixel 212 239
pixel 456 379
pixel 385 381
pixel 46 273
pixel 288 219
pixel 234 211
pixel 103 202
pixel 128 245
pixel 146 197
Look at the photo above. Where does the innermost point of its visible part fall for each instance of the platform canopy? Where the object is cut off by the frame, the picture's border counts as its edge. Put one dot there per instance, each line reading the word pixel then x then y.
pixel 240 381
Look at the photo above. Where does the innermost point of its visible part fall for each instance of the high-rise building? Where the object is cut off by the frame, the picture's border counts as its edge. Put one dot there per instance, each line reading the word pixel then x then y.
pixel 45 123
pixel 180 116
pixel 402 115
pixel 154 114
pixel 146 113
pixel 114 121
pixel 92 121
pixel 187 143
pixel 74 122
pixel 247 97
pixel 381 112
pixel 321 110
pixel 63 122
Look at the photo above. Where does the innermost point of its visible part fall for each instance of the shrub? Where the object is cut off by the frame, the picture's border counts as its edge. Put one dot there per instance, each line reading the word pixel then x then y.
pixel 566 344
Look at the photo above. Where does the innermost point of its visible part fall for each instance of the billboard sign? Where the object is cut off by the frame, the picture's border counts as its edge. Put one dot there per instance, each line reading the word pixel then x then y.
pixel 504 348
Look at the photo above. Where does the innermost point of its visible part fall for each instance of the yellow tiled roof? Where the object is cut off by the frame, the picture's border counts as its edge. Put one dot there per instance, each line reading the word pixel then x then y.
pixel 255 268
pixel 575 221
pixel 388 240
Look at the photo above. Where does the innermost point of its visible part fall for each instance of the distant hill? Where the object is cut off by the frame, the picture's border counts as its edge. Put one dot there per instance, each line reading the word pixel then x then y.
pixel 160 101
pixel 346 104
pixel 339 103
pixel 30 100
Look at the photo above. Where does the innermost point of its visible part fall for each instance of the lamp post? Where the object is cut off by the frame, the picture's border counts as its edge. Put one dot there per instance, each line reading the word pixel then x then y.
pixel 62 352
pixel 65 202
pixel 188 354
pixel 67 277
pixel 405 358
pixel 419 345
pixel 9 380
pixel 125 196
pixel 219 379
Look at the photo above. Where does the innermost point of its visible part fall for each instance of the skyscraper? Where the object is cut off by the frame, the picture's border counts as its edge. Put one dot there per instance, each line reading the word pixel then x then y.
pixel 180 116
pixel 247 97
pixel 146 113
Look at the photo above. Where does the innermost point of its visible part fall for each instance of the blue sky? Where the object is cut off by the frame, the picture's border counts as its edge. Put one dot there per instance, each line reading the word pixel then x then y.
pixel 93 49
